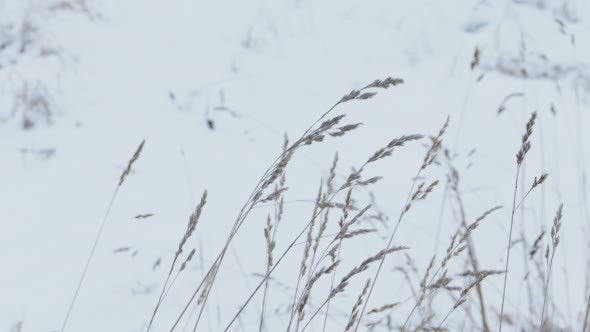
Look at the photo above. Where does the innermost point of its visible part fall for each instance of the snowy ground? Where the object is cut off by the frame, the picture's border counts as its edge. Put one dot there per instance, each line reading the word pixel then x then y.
pixel 213 86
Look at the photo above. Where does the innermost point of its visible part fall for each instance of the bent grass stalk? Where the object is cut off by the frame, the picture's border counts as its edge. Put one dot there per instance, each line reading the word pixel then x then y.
pixel 308 137
pixel 354 176
pixel 99 233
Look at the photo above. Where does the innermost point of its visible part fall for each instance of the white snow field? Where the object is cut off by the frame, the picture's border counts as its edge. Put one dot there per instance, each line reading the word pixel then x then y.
pixel 213 87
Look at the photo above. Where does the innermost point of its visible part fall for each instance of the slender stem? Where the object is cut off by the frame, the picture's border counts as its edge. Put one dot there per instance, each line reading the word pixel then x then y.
pixel 315 313
pixel 195 293
pixel 388 247
pixel 444 319
pixel 546 290
pixel 263 304
pixel 523 198
pixel 331 288
pixel 162 294
pixel 509 246
pixel 294 300
pixel 587 315
pixel 208 289
pixel 90 256
pixel 440 217
pixel 474 263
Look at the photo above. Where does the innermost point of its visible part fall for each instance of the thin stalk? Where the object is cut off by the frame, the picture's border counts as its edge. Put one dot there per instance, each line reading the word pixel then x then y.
pixel 474 264
pixel 546 290
pixel 315 314
pixel 509 246
pixel 90 256
pixel 388 247
pixel 331 288
pixel 586 315
pixel 163 293
pixel 100 230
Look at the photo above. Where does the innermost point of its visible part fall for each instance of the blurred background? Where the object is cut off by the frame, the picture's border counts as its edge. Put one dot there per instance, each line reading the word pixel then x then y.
pixel 214 86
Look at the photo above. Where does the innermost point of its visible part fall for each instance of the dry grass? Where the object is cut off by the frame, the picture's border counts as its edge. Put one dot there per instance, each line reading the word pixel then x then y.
pixel 338 218
pixel 122 178
pixel 555 242
pixel 520 155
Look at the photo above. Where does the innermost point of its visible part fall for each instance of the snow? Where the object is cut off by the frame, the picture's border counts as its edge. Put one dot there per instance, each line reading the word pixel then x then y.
pixel 109 79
